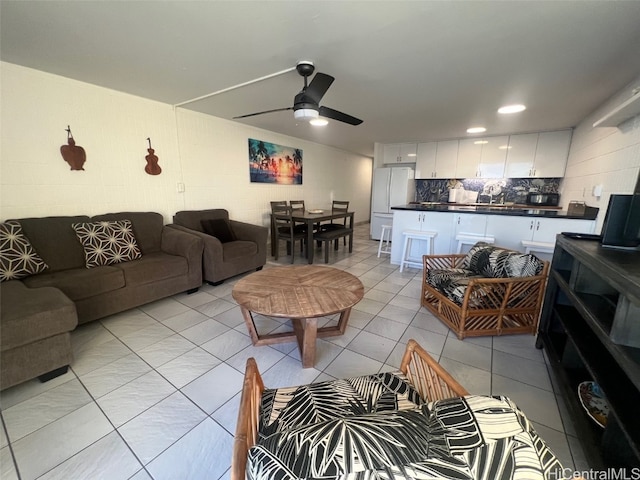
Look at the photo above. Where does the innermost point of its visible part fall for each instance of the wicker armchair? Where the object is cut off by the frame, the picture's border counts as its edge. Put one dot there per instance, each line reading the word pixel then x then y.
pixel 430 380
pixel 484 305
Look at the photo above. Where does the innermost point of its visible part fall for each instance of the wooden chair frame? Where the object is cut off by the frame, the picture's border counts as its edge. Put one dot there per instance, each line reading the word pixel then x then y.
pixel 425 374
pixel 491 306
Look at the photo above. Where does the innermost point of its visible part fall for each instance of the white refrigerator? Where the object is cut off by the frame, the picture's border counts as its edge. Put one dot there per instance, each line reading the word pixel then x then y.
pixel 391 187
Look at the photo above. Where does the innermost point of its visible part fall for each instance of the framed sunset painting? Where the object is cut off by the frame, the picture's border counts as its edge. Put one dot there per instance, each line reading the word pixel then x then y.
pixel 272 163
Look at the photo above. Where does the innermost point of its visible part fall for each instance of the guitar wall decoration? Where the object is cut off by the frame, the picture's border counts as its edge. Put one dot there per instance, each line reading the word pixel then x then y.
pixel 73 154
pixel 152 167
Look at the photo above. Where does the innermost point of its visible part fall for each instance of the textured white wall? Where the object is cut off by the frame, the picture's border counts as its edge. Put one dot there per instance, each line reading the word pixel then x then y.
pixel 208 155
pixel 607 156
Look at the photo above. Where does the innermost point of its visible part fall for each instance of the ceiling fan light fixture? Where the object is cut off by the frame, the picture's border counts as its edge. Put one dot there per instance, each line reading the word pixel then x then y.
pixel 305 114
pixel 319 122
pixel 512 109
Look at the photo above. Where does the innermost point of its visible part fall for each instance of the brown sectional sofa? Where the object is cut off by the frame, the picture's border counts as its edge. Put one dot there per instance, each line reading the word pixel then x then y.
pixel 39 311
pixel 222 260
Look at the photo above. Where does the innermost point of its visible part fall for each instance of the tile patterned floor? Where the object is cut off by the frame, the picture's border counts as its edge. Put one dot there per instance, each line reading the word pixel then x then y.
pixel 153 392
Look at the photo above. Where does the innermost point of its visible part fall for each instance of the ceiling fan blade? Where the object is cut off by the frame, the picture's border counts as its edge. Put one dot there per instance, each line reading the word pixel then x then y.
pixel 336 115
pixel 318 87
pixel 266 111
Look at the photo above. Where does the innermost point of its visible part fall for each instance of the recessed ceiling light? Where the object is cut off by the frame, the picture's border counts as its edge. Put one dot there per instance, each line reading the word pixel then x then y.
pixel 319 122
pixel 476 130
pixel 512 109
pixel 480 142
pixel 504 147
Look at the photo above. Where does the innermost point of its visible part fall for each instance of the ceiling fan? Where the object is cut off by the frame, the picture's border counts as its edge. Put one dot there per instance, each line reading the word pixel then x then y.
pixel 306 102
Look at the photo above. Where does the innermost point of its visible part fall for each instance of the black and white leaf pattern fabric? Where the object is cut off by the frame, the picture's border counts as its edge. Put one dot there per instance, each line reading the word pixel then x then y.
pixel 18 258
pixel 287 408
pixel 495 262
pixel 474 437
pixel 106 243
pixel 452 282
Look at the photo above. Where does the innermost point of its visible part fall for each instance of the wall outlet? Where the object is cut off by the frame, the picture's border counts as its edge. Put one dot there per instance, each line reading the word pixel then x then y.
pixel 180 187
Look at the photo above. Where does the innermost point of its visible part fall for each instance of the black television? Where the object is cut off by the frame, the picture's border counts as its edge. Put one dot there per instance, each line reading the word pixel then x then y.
pixel 621 227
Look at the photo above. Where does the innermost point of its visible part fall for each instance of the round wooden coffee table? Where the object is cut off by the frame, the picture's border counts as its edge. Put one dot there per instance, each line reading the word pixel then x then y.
pixel 302 293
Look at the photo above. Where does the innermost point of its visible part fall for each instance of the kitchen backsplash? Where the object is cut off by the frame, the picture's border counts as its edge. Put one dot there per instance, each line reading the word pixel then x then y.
pixel 502 189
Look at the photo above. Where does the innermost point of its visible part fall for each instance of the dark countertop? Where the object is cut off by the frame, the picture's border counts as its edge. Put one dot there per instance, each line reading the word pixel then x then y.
pixel 515 211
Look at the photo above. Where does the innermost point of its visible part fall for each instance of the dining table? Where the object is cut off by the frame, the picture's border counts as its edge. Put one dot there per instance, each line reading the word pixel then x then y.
pixel 312 218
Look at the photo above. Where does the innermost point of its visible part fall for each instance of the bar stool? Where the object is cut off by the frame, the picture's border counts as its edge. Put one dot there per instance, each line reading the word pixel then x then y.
pixel 471 239
pixel 385 239
pixel 409 236
pixel 540 247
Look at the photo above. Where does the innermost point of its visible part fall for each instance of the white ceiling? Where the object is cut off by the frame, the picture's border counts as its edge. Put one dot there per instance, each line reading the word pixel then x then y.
pixel 412 70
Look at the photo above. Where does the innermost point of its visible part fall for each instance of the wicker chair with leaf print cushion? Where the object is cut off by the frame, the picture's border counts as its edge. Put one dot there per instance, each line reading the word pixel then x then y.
pixel 488 291
pixel 414 423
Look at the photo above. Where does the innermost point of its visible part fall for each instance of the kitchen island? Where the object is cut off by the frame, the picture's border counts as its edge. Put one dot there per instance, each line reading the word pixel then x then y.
pixel 508 224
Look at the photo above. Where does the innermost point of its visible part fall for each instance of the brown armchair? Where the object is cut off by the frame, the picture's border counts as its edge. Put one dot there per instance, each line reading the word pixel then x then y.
pixel 236 248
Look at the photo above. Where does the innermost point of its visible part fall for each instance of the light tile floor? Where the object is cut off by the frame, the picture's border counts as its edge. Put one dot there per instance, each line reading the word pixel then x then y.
pixel 153 392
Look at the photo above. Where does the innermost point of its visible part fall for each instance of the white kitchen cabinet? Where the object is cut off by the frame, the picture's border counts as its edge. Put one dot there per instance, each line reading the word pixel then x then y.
pixel 521 155
pixel 426 160
pixel 446 159
pixel 509 231
pixel 400 153
pixel 437 159
pixel 541 155
pixel 482 157
pixel 441 222
pixel 493 157
pixel 469 153
pixel 467 224
pixel 546 229
pixel 552 153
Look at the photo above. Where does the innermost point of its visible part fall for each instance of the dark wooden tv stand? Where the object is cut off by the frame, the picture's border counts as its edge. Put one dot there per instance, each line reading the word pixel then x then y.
pixel 590 328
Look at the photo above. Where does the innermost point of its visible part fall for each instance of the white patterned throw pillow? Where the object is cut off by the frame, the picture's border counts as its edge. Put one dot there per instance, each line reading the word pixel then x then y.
pixel 18 258
pixel 106 243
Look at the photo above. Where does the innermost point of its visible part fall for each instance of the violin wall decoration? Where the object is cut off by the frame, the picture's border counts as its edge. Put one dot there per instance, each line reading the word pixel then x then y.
pixel 73 154
pixel 152 167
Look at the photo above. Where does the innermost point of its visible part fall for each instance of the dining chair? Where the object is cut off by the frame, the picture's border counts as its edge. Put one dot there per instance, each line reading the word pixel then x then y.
pixel 296 204
pixel 284 228
pixel 338 206
pixel 277 204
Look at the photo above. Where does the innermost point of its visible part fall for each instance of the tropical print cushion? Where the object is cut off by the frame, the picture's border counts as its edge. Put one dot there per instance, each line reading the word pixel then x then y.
pixel 451 282
pixel 474 437
pixel 291 407
pixel 18 258
pixel 106 243
pixel 495 262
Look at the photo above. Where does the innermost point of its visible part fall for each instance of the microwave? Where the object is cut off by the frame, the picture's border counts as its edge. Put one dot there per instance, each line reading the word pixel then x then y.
pixel 544 199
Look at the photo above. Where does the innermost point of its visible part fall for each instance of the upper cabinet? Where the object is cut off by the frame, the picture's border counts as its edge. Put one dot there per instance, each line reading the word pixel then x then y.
pixel 521 155
pixel 529 155
pixel 552 153
pixel 400 153
pixel 541 155
pixel 437 159
pixel 482 157
pixel 469 153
